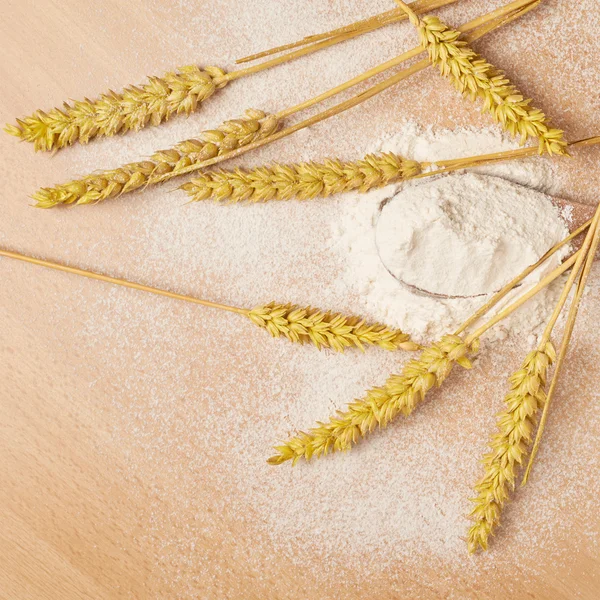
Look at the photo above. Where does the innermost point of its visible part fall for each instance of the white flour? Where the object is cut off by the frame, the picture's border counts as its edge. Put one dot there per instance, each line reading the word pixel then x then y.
pixel 461 236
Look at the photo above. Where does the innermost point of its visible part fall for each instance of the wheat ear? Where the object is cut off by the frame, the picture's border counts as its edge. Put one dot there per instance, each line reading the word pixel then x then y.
pixel 510 445
pixel 301 180
pixel 473 76
pixel 174 93
pixel 332 176
pixel 96 187
pixel 400 394
pixel 327 330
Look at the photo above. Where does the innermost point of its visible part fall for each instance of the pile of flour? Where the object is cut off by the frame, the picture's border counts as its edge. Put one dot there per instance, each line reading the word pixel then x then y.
pixel 425 254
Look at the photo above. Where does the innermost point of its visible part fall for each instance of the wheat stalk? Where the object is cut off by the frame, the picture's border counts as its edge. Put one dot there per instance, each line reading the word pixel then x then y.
pixel 365 26
pixel 302 180
pixel 327 330
pixel 300 325
pixel 400 394
pixel 509 446
pixel 136 106
pixel 174 93
pixel 308 180
pixel 473 76
pixel 96 187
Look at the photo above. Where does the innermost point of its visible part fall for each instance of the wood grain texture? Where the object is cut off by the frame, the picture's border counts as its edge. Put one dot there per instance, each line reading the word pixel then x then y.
pixel 112 484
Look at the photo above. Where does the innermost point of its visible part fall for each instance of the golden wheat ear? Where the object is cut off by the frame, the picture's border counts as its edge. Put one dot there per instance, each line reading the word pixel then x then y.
pixel 327 330
pixel 399 395
pixel 473 76
pixel 96 187
pixel 510 445
pixel 303 181
pixel 178 92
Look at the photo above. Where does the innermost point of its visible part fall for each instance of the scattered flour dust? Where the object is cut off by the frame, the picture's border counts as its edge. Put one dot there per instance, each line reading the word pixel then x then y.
pixel 394 505
pixel 457 237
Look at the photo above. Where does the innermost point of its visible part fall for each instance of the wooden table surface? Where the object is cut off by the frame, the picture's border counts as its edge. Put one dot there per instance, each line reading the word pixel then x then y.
pixel 115 484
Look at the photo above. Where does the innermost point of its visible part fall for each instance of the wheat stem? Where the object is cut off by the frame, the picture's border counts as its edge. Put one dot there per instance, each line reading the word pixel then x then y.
pixel 563 351
pixel 365 26
pixel 456 164
pixel 117 281
pixel 232 75
pixel 545 282
pixel 494 20
pixel 348 34
pixel 519 279
pixel 297 324
pixel 585 248
pixel 586 266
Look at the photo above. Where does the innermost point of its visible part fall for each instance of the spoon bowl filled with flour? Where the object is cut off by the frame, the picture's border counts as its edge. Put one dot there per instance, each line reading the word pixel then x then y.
pixel 464 235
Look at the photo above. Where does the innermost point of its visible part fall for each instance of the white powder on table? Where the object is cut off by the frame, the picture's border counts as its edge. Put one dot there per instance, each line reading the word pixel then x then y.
pixel 462 236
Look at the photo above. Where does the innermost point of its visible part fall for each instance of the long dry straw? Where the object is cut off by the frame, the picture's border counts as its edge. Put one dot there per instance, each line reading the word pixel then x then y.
pixel 457 164
pixel 402 393
pixel 297 324
pixel 174 93
pixel 365 25
pixel 478 28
